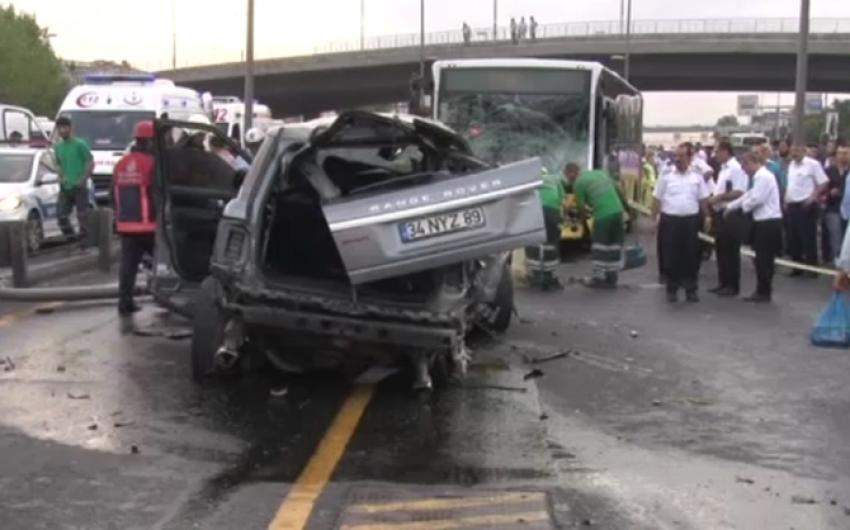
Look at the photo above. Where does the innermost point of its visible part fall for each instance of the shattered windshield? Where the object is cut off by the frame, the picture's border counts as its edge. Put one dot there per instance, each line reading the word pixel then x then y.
pixel 512 114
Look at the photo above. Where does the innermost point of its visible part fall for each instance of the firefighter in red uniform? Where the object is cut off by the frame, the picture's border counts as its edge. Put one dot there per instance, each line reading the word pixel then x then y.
pixel 132 184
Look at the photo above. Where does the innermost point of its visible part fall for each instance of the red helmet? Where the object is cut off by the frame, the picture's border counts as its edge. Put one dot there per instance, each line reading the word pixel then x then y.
pixel 143 130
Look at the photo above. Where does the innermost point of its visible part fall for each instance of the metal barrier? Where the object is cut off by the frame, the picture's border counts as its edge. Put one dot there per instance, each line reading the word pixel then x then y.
pixel 593 29
pixel 484 35
pixel 14 252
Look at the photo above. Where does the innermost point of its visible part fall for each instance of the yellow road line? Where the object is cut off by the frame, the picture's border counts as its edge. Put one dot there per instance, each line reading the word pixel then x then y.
pixel 298 504
pixel 8 320
pixel 446 504
pixel 461 522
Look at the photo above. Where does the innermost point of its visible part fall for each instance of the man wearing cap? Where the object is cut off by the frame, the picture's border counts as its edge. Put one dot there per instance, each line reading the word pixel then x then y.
pixel 135 221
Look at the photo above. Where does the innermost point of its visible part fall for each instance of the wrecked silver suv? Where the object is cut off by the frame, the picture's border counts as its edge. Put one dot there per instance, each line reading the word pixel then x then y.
pixel 367 239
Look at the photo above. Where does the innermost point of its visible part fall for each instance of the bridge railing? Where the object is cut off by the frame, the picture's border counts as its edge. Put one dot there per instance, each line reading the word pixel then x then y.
pixel 594 28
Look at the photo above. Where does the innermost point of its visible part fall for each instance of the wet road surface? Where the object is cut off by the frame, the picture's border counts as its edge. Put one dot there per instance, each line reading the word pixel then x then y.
pixel 715 415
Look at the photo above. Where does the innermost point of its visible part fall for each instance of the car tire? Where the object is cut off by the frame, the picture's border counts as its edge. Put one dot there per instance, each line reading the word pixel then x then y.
pixel 208 323
pixel 503 305
pixel 35 232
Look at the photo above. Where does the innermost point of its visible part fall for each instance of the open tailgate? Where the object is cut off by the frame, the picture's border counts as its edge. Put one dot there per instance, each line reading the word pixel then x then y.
pixel 426 226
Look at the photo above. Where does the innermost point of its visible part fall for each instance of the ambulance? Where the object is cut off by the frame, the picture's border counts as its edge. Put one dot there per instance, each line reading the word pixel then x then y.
pixel 229 116
pixel 106 107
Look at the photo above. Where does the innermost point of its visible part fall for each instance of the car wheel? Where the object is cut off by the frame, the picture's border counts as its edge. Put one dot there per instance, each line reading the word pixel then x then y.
pixel 502 307
pixel 207 329
pixel 35 232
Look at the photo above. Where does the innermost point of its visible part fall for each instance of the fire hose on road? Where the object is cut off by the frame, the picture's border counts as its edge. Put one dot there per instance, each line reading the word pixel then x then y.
pixel 63 294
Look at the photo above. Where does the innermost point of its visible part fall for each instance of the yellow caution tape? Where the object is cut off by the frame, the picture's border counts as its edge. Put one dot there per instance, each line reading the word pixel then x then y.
pixel 746 251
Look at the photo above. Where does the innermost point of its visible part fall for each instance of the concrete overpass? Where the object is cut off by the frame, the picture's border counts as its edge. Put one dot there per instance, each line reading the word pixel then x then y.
pixel 716 61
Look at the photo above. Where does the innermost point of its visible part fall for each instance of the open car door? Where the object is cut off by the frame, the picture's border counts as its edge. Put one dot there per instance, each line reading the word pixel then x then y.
pixel 193 185
pixel 428 218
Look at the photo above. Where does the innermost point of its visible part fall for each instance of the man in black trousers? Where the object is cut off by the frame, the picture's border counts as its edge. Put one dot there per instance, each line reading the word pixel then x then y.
pixel 732 182
pixel 762 201
pixel 681 207
pixel 807 182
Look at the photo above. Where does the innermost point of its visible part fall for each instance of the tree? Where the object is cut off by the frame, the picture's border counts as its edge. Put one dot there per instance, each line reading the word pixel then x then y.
pixel 30 73
pixel 728 121
pixel 814 124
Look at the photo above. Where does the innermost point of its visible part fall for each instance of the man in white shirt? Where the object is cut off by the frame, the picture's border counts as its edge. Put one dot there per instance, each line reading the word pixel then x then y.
pixel 732 182
pixel 806 183
pixel 681 199
pixel 762 201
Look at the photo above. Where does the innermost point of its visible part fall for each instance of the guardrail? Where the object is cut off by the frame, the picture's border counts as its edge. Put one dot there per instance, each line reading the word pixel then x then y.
pixel 593 28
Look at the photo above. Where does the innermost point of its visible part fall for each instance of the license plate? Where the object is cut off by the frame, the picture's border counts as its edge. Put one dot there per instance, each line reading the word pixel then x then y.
pixel 438 225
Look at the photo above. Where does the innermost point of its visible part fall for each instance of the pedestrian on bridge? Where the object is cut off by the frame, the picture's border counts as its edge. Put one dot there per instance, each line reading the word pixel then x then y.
pixel 467 34
pixel 523 29
pixel 763 203
pixel 731 184
pixel 532 29
pixel 807 181
pixel 681 207
pixel 132 187
pixel 599 191
pixel 514 31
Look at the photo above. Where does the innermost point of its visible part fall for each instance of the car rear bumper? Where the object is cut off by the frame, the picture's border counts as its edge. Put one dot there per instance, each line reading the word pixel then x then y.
pixel 369 330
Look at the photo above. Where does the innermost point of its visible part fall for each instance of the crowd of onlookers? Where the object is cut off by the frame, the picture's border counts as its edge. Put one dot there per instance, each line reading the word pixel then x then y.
pixel 724 190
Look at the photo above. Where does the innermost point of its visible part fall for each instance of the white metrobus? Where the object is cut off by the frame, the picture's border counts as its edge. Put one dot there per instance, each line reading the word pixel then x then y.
pixel 561 111
pixel 105 109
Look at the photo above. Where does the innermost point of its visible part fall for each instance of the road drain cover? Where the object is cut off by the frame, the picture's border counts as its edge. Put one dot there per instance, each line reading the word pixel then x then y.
pixel 436 509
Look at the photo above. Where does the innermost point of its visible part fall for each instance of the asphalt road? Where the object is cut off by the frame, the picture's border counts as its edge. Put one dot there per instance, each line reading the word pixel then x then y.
pixel 708 416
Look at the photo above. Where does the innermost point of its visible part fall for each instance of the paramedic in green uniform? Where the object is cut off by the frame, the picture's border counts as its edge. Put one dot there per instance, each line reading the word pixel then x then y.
pixel 543 260
pixel 598 190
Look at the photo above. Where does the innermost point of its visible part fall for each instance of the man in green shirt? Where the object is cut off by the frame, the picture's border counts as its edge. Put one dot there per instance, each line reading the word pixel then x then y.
pixel 542 260
pixel 599 191
pixel 75 164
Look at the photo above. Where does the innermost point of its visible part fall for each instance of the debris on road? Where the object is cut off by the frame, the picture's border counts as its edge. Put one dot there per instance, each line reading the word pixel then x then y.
pixel 72 395
pixel 9 364
pixel 801 499
pixel 534 374
pixel 496 387
pixel 552 357
pixel 744 480
pixel 120 424
pixel 179 334
pixel 634 333
pixel 278 392
pixel 134 449
pixel 375 375
pixel 657 402
pixel 45 310
pixel 60 368
pixel 92 427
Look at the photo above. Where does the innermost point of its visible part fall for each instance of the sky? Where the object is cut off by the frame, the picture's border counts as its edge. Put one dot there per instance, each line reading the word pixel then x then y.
pixel 211 31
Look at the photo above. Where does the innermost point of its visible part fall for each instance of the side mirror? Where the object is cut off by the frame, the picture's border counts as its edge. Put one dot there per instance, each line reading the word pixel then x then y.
pixel 47 179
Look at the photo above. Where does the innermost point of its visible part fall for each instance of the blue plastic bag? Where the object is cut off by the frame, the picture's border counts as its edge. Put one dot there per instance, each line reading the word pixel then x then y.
pixel 832 328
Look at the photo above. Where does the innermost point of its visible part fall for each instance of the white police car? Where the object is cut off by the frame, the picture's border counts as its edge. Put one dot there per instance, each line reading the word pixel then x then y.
pixel 29 191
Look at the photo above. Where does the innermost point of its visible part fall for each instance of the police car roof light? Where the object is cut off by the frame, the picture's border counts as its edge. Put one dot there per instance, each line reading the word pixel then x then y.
pixel 107 79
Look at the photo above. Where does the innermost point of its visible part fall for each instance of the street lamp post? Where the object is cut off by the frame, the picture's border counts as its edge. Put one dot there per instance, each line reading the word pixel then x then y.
pixel 495 20
pixel 362 24
pixel 622 11
pixel 249 73
pixel 421 48
pixel 627 61
pixel 802 73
